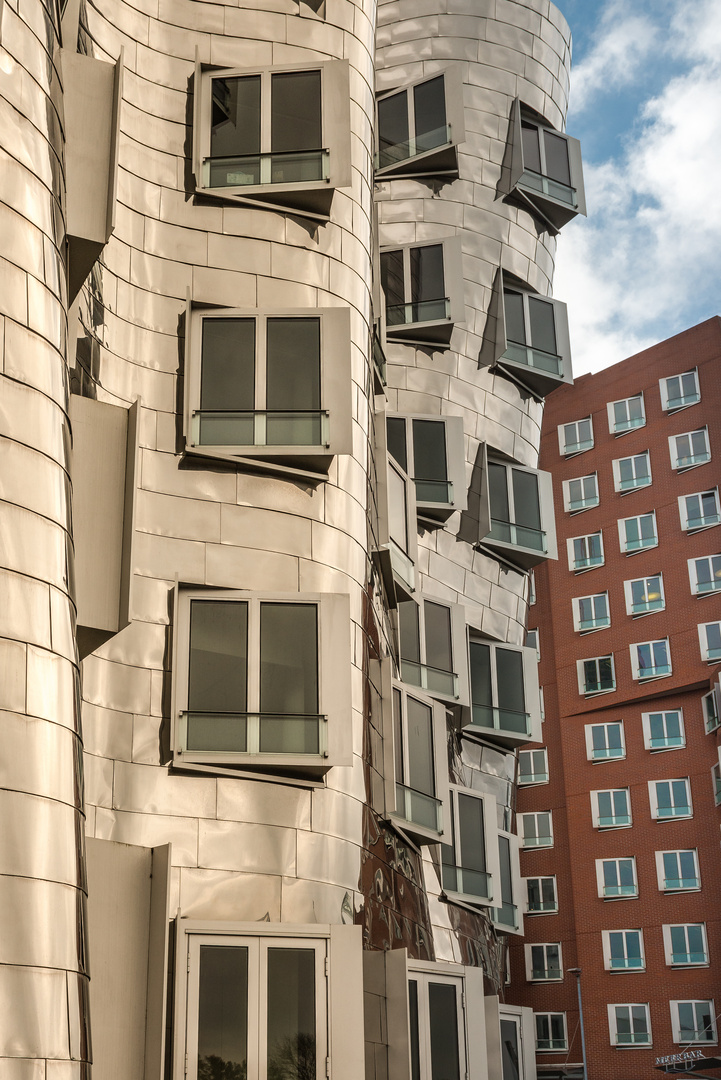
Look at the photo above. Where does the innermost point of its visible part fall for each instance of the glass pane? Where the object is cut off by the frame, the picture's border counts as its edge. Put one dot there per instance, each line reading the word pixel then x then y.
pixel 429 114
pixel 288 658
pixel 393 278
pixel 472 837
pixel 293 365
pixel 445 1064
pixel 481 692
pixel 396 429
pixel 438 636
pixel 223 1011
pixel 509 1050
pixel 427 282
pixel 235 123
pixel 398 742
pixel 217 669
pixel 557 166
pixel 393 128
pixel 531 148
pixel 543 325
pixel 498 492
pixel 291 1014
pixel 227 381
pixel 409 633
pixel 415 1035
pixel 515 326
pixel 526 504
pixel 429 450
pixel 625 871
pixel 420 747
pixel 397 509
pixel 295 111
pixel 509 671
pixel 504 858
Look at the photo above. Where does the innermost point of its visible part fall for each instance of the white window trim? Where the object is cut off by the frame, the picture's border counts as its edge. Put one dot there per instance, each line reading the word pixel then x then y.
pixel 425 162
pixel 588 732
pixel 422 976
pixel 569 547
pixel 529 962
pixel 716 780
pixel 616 466
pixel 530 688
pixel 636 668
pixel 600 882
pixel 613 1031
pixel 552 1049
pixel 455 463
pixel 676 1023
pixel 436 330
pixel 693 576
pixel 673 450
pixel 646 725
pixel 518 902
pixel 562 438
pixel 663 387
pixel 461 695
pixel 535 813
pixel 581 683
pixel 703 642
pixel 628 593
pixel 576 604
pixel 541 704
pixel 541 877
pixel 606 947
pixel 537 644
pixel 715 696
pixel 588 503
pixel 420 833
pixel 490 833
pixel 668 945
pixel 534 783
pixel 596 814
pixel 653 799
pixel 622 534
pixel 683 512
pixel 612 419
pixel 661 876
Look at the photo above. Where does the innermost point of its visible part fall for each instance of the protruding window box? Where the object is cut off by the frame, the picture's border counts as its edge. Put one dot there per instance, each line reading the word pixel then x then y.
pixel 430 449
pixel 516 512
pixel 397 551
pixel 432 648
pixel 423 288
pixel 504 692
pixel 420 126
pixel 416 772
pixel 507 915
pixel 469 860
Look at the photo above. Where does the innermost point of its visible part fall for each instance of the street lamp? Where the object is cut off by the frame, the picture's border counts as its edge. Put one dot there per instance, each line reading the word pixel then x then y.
pixel 577 973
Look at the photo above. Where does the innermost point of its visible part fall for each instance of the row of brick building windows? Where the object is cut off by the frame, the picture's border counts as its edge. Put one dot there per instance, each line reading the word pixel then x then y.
pixel 629 1025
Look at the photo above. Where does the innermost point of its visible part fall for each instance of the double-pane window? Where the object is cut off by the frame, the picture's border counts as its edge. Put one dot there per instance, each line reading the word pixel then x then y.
pixel 536 830
pixel 465 867
pixel 585 552
pixel 531 331
pixel 507 913
pixel 625 415
pixel 591 612
pixel 551 1031
pixel 705 575
pixel 430 451
pixel 415 762
pixel 644 595
pixel 663 730
pixel 541 895
pixel 412 122
pixel 532 767
pixel 685 944
pixel 617 878
pixel 680 391
pixel 638 533
pixel 546 162
pixel 515 507
pixel 436 1026
pixel 544 962
pixel 611 809
pixel 605 742
pixel 693 1022
pixel 581 493
pixel 632 472
pixel 413 282
pixel 427 647
pixel 576 437
pixel 690 449
pixel 678 870
pixel 650 659
pixel 711 715
pixel 670 799
pixel 710 640
pixel 498 690
pixel 630 1025
pixel 596 676
pixel 623 950
pixel 700 510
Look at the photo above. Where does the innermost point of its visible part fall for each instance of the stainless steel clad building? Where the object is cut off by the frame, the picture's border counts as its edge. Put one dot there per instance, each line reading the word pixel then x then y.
pixel 275 335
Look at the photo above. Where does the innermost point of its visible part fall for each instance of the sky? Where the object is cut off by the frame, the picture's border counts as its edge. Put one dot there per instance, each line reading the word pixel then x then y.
pixel 646 104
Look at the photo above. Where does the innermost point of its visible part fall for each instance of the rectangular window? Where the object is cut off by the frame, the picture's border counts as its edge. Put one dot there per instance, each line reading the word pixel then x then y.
pixel 678 871
pixel 596 676
pixel 685 945
pixel 693 1022
pixel 700 510
pixel 638 533
pixel 531 588
pixel 605 742
pixel 420 126
pixel 644 595
pixel 532 767
pixel 544 963
pixel 705 575
pixel 535 343
pixel 623 950
pixel 629 1025
pixel 542 897
pixel 507 914
pixel 716 782
pixel 465 864
pixel 650 660
pixel 430 451
pixel 632 472
pixel 423 289
pixel 711 715
pixel 611 809
pixel 431 646
pixel 551 1031
pixel 585 552
pixel 680 391
pixel 504 684
pixel 532 642
pixel 591 612
pixel 581 493
pixel 545 168
pixel 709 636
pixel 690 449
pixel 616 878
pixel 536 830
pixel 515 507
pixel 576 437
pixel 663 730
pixel 670 799
pixel 626 414
pixel 437 1026
pixel 420 787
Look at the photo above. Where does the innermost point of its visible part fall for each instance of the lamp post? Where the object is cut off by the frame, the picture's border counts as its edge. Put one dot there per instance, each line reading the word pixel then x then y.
pixel 577 973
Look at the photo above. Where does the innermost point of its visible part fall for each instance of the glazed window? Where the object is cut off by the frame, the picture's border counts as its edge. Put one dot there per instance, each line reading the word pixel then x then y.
pixel 517 513
pixel 699 511
pixel 663 730
pixel 690 449
pixel 678 871
pixel 544 963
pixel 542 897
pixel 711 713
pixel 680 391
pixel 423 289
pixel 716 782
pixel 632 472
pixel 504 689
pixel 611 809
pixel 431 646
pixel 580 493
pixel 262 680
pixel 693 1022
pixel 591 612
pixel 650 660
pixel 437 1026
pixel 420 126
pixel 536 830
pixel 626 414
pixel 638 533
pixel 685 945
pixel 623 950
pixel 419 748
pixel 709 636
pixel 506 915
pixel 532 767
pixel 466 867
pixel 644 595
pixel 616 878
pixel 605 742
pixel 585 552
pixel 629 1025
pixel 705 575
pixel 396 552
pixel 532 642
pixel 551 1031
pixel 670 799
pixel 596 676
pixel 430 450
pixel 576 437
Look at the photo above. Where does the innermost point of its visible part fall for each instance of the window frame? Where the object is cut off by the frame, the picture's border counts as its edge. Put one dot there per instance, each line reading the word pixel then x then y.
pixel 596 623
pixel 601 879
pixel 459 654
pixel 516 553
pixel 423 331
pixel 514 908
pixel 613 1025
pixel 590 749
pixel 521 818
pixel 571 555
pixel 677 1030
pixel 622 539
pixel 535 782
pixel 683 511
pixel 396 565
pixel 545 945
pixel 505 736
pixel 559 1044
pixel 543 910
pixel 628 593
pixel 491 860
pixel 440 161
pixel 653 799
pixel 661 871
pixel 691 462
pixel 693 575
pixel 581 675
pixel 647 737
pixel 618 483
pixel 716 781
pixel 612 424
pixel 580 507
pixel 667 929
pixel 570 450
pixel 417 831
pixel 663 388
pixel 455 464
pixel 704 644
pixel 657 669
pixel 711 710
pixel 608 958
pixel 596 818
pixel 533 642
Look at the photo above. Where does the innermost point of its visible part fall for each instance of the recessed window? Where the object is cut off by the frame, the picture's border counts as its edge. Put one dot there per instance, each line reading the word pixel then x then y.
pixel 431 646
pixel 699 511
pixel 711 712
pixel 585 552
pixel 690 449
pixel 420 126
pixel 536 830
pixel 638 533
pixel 631 473
pixel 430 450
pixel 532 767
pixel 465 864
pixel 576 437
pixel 421 787
pixel 605 742
pixel 596 676
pixel 591 612
pixel 551 1031
pixel 504 683
pixel 705 575
pixel 693 1022
pixel 436 1015
pixel 678 871
pixel 680 391
pixel 611 809
pixel 423 289
pixel 580 493
pixel 685 945
pixel 663 730
pixel 629 1025
pixel 644 595
pixel 626 414
pixel 623 950
pixel 544 963
pixel 709 636
pixel 616 878
pixel 670 799
pixel 542 897
pixel 650 660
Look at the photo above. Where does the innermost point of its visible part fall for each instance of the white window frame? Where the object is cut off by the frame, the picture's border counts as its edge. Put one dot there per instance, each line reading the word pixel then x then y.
pixel 703 642
pixel 571 554
pixel 685 464
pixel 618 483
pixel 541 703
pixel 395 556
pixel 601 881
pixel 532 641
pixel 683 511
pixel 636 669
pixel 457 690
pixel 553 909
pixel 530 977
pixel 661 873
pixel 521 827
pixel 624 427
pixel 580 446
pixel 558 1044
pixel 607 958
pixel 628 593
pixel 439 160
pixel 506 736
pixel 418 831
pixel 516 903
pixel 593 624
pixel 676 1022
pixel 510 545
pixel 613 1026
pixel 693 575
pixel 581 677
pixel 438 329
pixel 590 749
pixel 451 975
pixel 596 812
pixel 531 588
pixel 666 402
pixel 455 464
pixel 622 533
pixel 668 945
pixel 653 799
pixel 647 737
pixel 490 853
pixel 716 781
pixel 581 506
pixel 711 710
pixel 543 774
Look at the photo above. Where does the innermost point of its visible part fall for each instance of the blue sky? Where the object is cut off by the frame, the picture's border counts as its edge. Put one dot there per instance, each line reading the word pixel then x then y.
pixel 646 105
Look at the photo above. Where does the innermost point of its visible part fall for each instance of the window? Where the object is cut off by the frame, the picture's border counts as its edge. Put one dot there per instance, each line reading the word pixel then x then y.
pixel 551 1031
pixel 690 449
pixel 506 916
pixel 281 134
pixel 670 799
pixel 712 719
pixel 644 595
pixel 517 513
pixel 638 533
pixel 420 126
pixel 262 680
pixel 585 552
pixel 432 636
pixel 580 494
pixel 423 289
pixel 611 809
pixel 677 871
pixel 629 1025
pixel 396 553
pixel 716 782
pixel 543 963
pixel 632 472
pixel 705 575
pixel 605 742
pixel 596 676
pixel 685 945
pixel 542 703
pixel 504 691
pixel 531 588
pixel 269 386
pixel 532 642
pixel 616 878
pixel 419 751
pixel 623 950
pixel 693 1022
pixel 541 895
pixel 626 414
pixel 430 451
pixel 663 730
pixel 576 437
pixel 591 612
pixel 436 1013
pixel 699 511
pixel 466 868
pixel 536 830
pixel 532 767
pixel 709 635
pixel 650 660
pixel 680 391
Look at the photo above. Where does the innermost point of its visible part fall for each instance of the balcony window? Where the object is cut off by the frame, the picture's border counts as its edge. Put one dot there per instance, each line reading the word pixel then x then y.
pixel 705 575
pixel 517 513
pixel 596 676
pixel 611 809
pixel 626 414
pixel 605 742
pixel 650 660
pixel 591 613
pixel 532 767
pixel 663 730
pixel 670 799
pixel 685 945
pixel 542 897
pixel 678 871
pixel 632 472
pixel 680 391
pixel 638 533
pixel 551 1031
pixel 693 1022
pixel 536 830
pixel 466 870
pixel 699 511
pixel 690 449
pixel 623 950
pixel 506 916
pixel 616 878
pixel 423 289
pixel 709 635
pixel 430 450
pixel 419 766
pixel 420 126
pixel 629 1025
pixel 503 686
pixel 581 493
pixel 544 963
pixel 576 437
pixel 644 595
pixel 711 713
pixel 431 646
pixel 585 552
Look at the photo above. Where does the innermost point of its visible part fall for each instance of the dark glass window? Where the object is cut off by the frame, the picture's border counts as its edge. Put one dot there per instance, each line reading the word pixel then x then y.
pixel 235 123
pixel 442 1006
pixel 291 1013
pixel 429 452
pixel 401 137
pixel 296 111
pixel 427 282
pixel 396 427
pixel 217 675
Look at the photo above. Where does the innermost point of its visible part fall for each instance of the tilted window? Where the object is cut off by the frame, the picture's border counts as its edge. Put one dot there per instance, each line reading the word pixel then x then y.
pixel 506 915
pixel 709 636
pixel 678 871
pixel 396 552
pixel 596 675
pixel 536 830
pixel 469 858
pixel 576 437
pixel 629 1025
pixel 663 730
pixel 605 742
pixel 516 514
pixel 680 391
pixel 581 493
pixel 420 769
pixel 532 767
pixel 544 962
pixel 637 533
pixel 644 595
pixel 705 575
pixel 591 612
pixel 423 289
pixel 504 691
pixel 716 782
pixel 650 660
pixel 685 945
pixel 611 809
pixel 690 449
pixel 420 126
pixel 616 878
pixel 701 510
pixel 532 641
pixel 542 897
pixel 432 639
pixel 626 414
pixel 430 450
pixel 551 1031
pixel 623 950
pixel 711 711
pixel 585 552
pixel 670 799
pixel 632 472
pixel 693 1022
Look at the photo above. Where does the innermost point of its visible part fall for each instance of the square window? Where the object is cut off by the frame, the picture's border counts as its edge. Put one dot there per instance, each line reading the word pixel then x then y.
pixel 504 692
pixel 623 950
pixel 551 1031
pixel 680 391
pixel 644 595
pixel 585 552
pixel 420 773
pixel 605 742
pixel 542 897
pixel 629 1025
pixel 532 767
pixel 626 414
pixel 469 858
pixel 516 514
pixel 700 510
pixel 596 676
pixel 536 830
pixel 650 660
pixel 663 730
pixel 611 809
pixel 591 613
pixel 580 493
pixel 705 575
pixel 690 449
pixel 711 711
pixel 430 450
pixel 420 126
pixel 423 289
pixel 638 533
pixel 693 1022
pixel 678 871
pixel 616 878
pixel 631 473
pixel 670 799
pixel 544 963
pixel 576 437
pixel 432 648
pixel 709 635
pixel 685 945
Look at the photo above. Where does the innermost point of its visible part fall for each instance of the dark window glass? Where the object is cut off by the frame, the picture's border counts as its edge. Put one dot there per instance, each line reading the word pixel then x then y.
pixel 504 858
pixel 409 633
pixel 429 450
pixel 557 167
pixel 397 509
pixel 420 747
pixel 398 736
pixel 515 323
pixel 429 114
pixel 509 671
pixel 235 124
pixel 296 111
pixel 427 282
pixel 291 1013
pixel 481 691
pixel 393 278
pixel 415 1033
pixel 498 492
pixel 393 126
pixel 531 147
pixel 471 832
pixel 227 377
pixel 289 658
pixel 543 325
pixel 217 675
pixel 526 504
pixel 442 1006
pixel 438 636
pixel 509 1050
pixel 223 1011
pixel 396 428
pixel 293 364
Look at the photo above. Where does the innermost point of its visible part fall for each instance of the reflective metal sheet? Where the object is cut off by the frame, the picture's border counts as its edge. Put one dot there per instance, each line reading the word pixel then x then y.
pixel 264 849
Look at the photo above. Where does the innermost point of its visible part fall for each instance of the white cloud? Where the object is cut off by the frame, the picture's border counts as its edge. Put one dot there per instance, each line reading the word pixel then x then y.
pixel 623 46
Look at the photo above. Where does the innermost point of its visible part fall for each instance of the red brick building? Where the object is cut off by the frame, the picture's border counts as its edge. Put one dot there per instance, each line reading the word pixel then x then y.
pixel 618 810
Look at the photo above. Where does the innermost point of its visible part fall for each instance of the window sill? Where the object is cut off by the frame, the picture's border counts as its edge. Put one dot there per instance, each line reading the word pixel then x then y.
pixel 440 161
